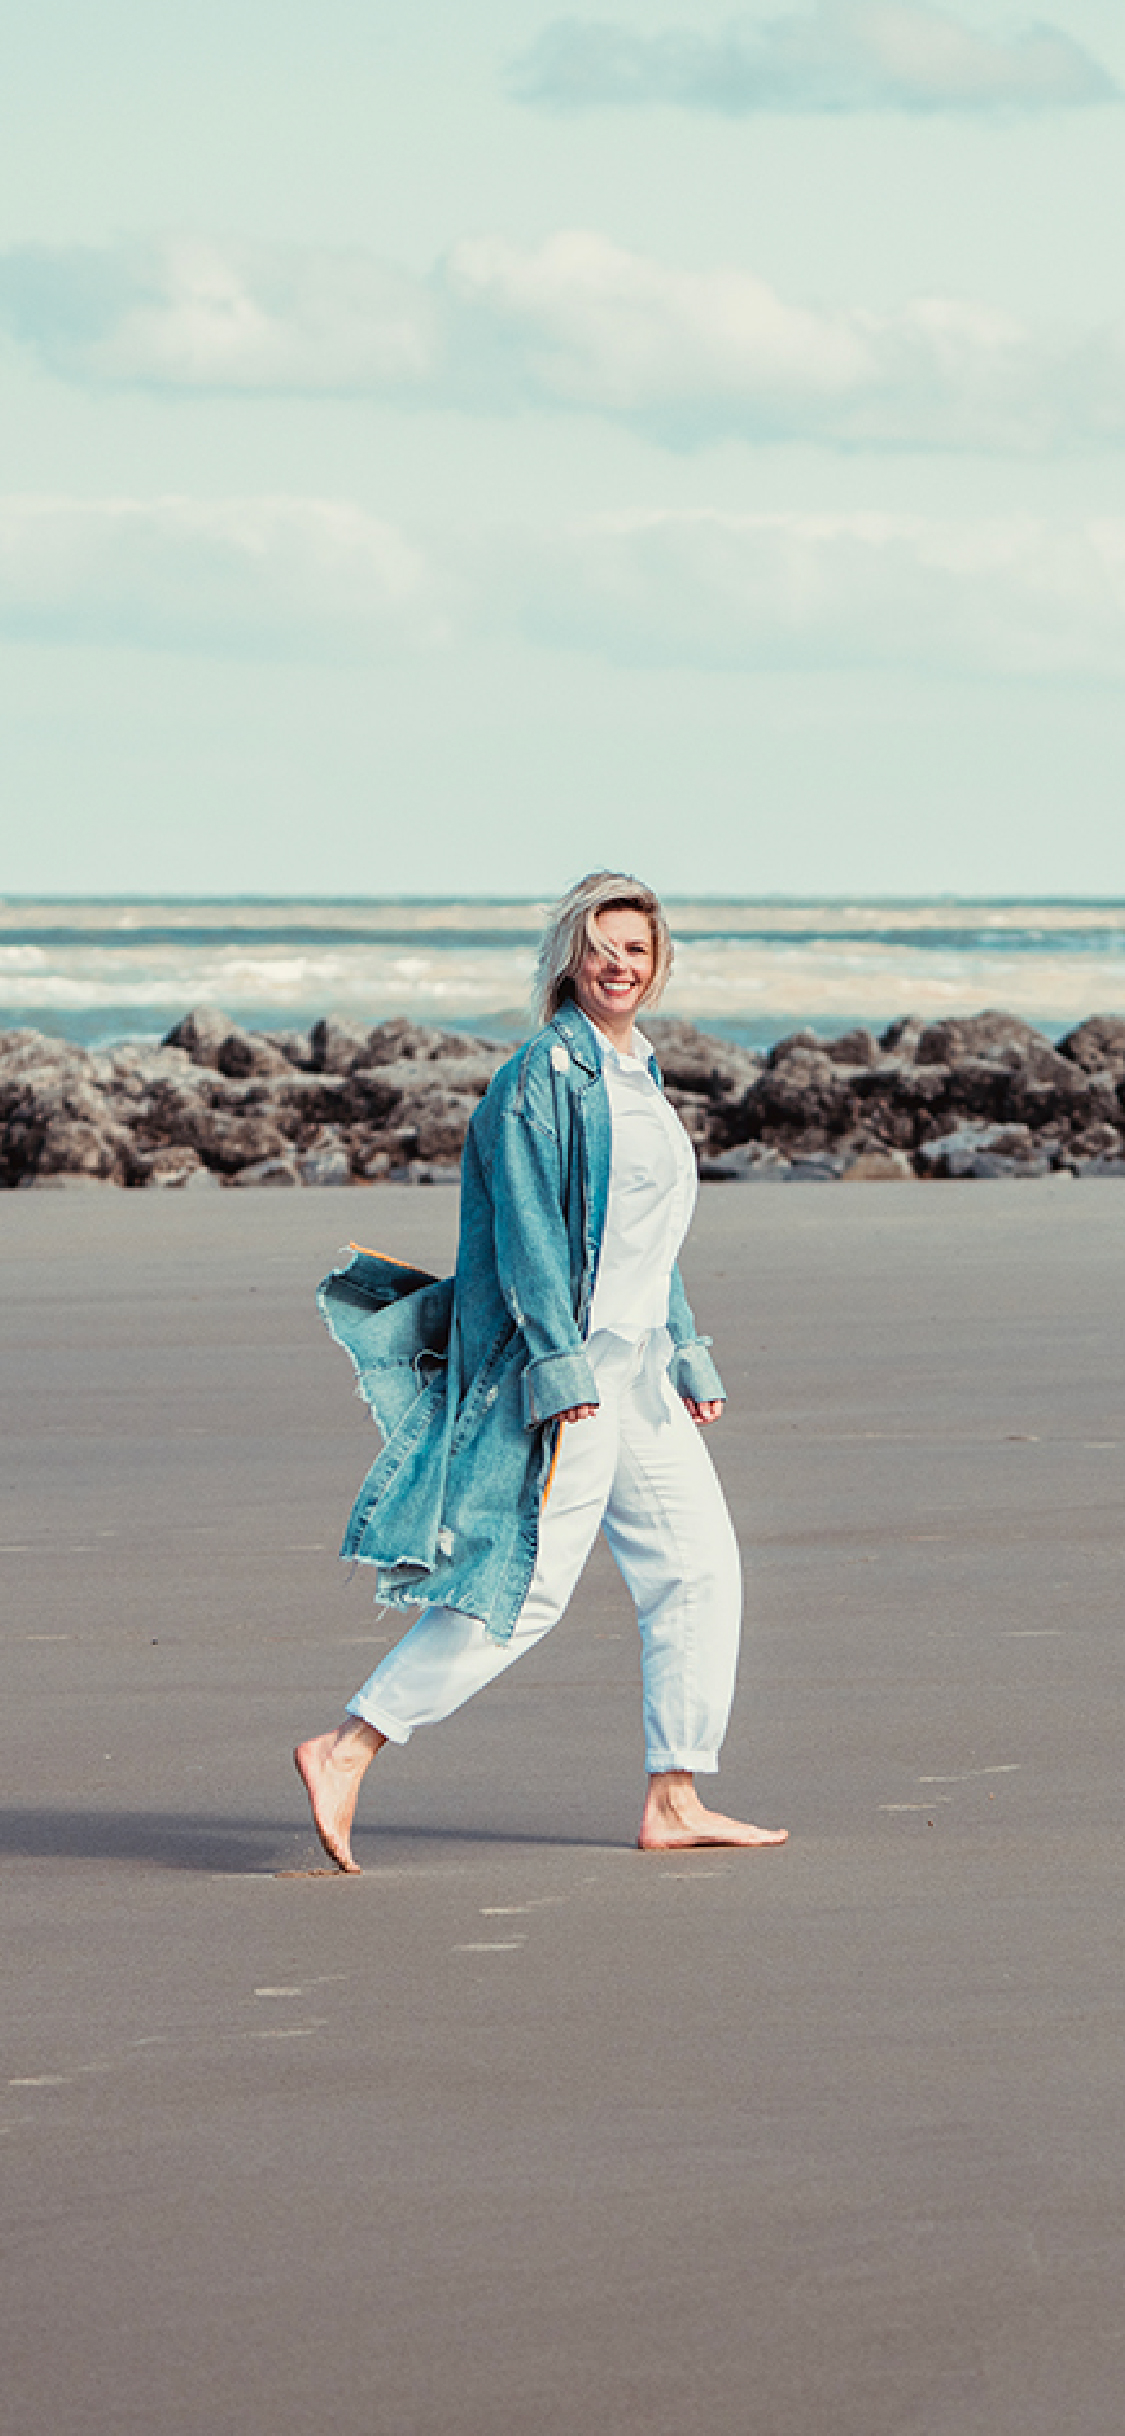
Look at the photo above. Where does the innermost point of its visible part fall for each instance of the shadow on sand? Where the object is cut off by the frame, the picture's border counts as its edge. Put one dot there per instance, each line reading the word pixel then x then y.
pixel 234 1847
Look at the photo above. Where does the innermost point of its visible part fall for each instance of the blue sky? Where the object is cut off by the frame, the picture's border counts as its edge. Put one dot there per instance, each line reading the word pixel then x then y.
pixel 447 448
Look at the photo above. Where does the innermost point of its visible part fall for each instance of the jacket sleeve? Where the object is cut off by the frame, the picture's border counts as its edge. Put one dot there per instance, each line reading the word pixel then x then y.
pixel 691 1369
pixel 533 1256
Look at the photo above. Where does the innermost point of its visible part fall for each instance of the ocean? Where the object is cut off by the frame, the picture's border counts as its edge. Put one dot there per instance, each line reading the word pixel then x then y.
pixel 96 971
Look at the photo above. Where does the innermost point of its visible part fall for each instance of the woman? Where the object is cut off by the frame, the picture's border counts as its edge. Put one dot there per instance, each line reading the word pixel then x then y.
pixel 554 1387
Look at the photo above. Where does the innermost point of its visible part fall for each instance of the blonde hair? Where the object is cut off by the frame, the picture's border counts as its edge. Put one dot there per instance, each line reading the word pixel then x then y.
pixel 574 926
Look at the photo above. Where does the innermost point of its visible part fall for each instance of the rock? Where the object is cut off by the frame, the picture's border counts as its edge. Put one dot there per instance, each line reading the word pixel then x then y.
pixel 228 1141
pixel 803 1094
pixel 273 1171
pixel 901 1038
pixel 974 1087
pixel 821 1169
pixel 1003 1038
pixel 1045 1086
pixel 202 1034
pixel 326 1161
pixel 373 1095
pixel 858 1048
pixel 440 1121
pixel 878 1167
pixel 302 1103
pixel 246 1053
pixel 171 1167
pixel 984 1151
pixel 79 1145
pixel 1097 1043
pixel 794 1044
pixel 980 1095
pixel 335 1046
pixel 1097 1142
pixel 294 1046
pixel 755 1162
pixel 399 1041
pixel 694 1063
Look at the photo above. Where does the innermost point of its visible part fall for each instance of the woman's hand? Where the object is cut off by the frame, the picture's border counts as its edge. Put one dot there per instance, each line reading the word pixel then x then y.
pixel 578 1412
pixel 703 1413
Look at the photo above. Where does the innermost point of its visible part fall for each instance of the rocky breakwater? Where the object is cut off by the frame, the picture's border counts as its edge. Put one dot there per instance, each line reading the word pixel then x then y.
pixel 213 1104
pixel 975 1096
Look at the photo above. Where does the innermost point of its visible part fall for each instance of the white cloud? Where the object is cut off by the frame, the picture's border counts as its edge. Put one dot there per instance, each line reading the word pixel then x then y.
pixel 1013 597
pixel 195 314
pixel 576 325
pixel 845 55
pixel 291 577
pixel 227 575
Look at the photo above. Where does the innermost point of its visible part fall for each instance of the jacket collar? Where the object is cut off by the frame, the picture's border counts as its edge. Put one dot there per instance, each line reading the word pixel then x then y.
pixel 582 1040
pixel 579 1035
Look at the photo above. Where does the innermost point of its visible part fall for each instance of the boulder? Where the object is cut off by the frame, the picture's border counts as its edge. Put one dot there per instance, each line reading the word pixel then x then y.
pixel 414 1092
pixel 269 1171
pixel 979 1095
pixel 202 1034
pixel 751 1162
pixel 984 1151
pixel 694 1063
pixel 1097 1043
pixel 858 1048
pixel 821 1168
pixel 439 1120
pixel 794 1044
pixel 335 1045
pixel 327 1161
pixel 250 1053
pixel 801 1093
pixel 1097 1142
pixel 995 1035
pixel 1046 1085
pixel 873 1166
pixel 171 1167
pixel 55 1121
pixel 399 1041
pixel 901 1037
pixel 226 1141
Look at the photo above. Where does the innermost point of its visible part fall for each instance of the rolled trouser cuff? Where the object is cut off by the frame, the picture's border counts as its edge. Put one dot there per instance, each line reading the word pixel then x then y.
pixel 671 1763
pixel 367 1712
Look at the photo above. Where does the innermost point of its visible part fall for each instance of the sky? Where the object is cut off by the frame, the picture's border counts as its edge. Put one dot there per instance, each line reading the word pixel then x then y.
pixel 446 449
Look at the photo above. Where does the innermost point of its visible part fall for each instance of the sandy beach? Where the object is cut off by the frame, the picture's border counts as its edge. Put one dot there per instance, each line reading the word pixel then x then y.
pixel 523 2130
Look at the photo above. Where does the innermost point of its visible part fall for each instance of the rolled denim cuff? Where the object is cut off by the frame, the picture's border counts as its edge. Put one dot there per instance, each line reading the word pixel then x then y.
pixel 555 1384
pixel 693 1373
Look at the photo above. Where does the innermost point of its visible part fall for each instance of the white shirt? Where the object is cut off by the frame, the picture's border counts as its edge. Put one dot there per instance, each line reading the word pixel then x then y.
pixel 653 1184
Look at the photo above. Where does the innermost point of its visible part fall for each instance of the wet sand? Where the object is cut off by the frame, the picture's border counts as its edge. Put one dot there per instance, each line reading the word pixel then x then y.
pixel 522 2130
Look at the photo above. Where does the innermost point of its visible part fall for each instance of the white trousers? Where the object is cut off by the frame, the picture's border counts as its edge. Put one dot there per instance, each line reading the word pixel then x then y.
pixel 638 1470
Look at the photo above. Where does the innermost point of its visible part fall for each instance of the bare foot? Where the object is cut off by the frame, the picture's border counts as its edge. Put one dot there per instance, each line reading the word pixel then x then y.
pixel 331 1768
pixel 674 1818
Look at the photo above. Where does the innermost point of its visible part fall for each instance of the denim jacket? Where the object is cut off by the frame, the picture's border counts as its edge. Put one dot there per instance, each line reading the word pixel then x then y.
pixel 465 1375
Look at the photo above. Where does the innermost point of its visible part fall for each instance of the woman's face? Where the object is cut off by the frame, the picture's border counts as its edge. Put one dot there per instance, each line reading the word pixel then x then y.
pixel 613 976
